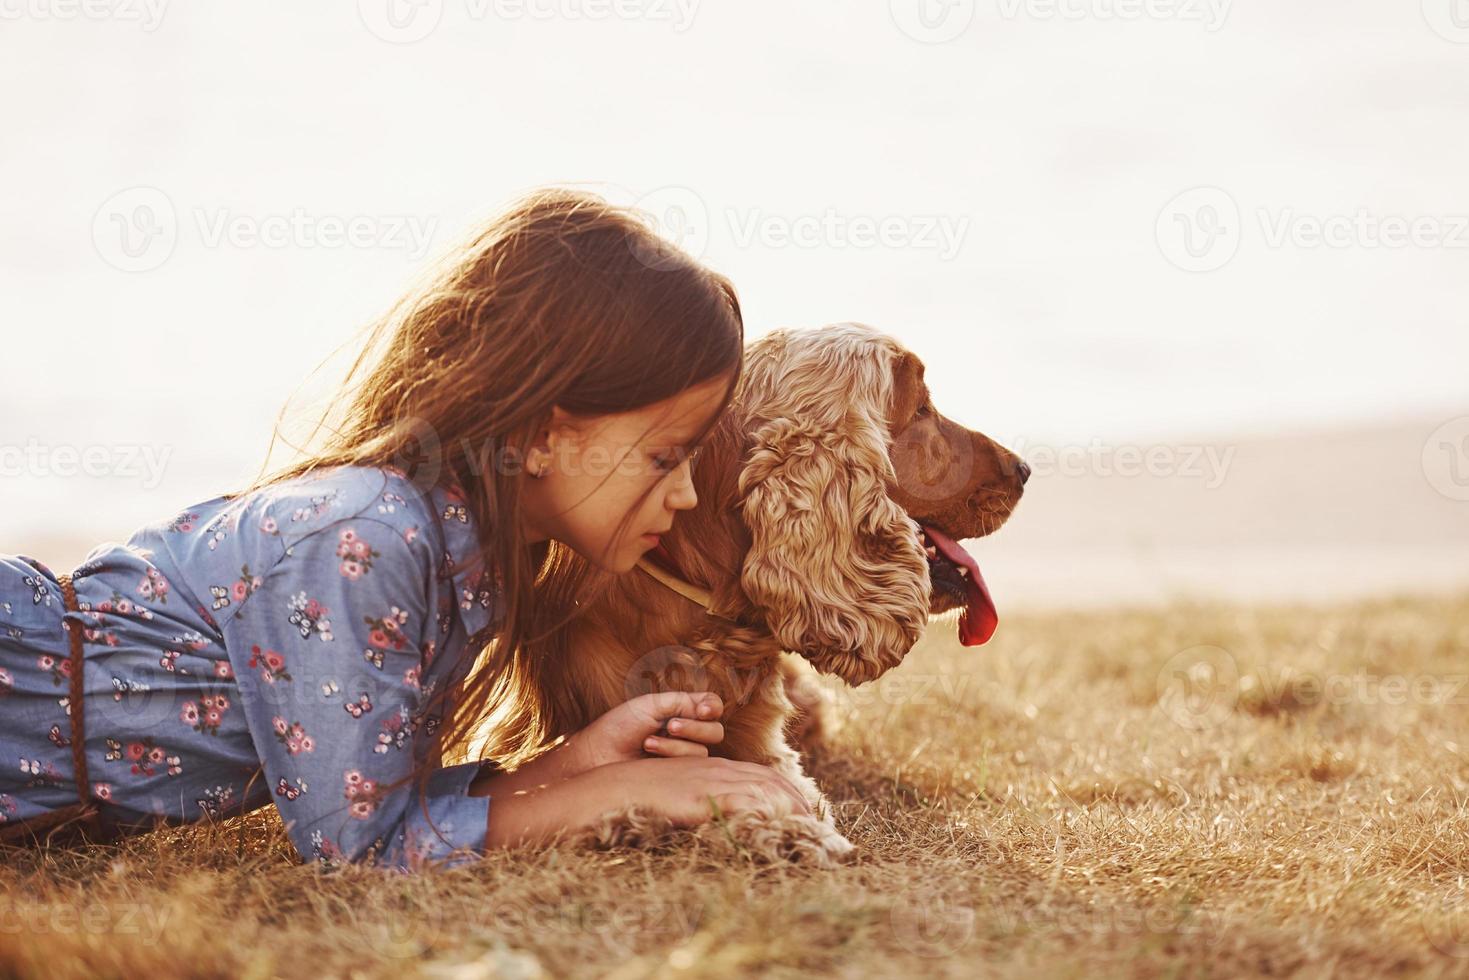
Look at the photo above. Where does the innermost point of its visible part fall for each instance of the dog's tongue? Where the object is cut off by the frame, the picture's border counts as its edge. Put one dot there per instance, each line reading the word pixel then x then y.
pixel 978 621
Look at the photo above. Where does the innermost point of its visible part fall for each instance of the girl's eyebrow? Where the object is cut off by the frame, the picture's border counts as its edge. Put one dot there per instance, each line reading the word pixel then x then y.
pixel 681 436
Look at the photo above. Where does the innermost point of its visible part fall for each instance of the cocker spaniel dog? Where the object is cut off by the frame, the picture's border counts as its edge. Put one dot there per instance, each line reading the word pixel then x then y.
pixel 832 497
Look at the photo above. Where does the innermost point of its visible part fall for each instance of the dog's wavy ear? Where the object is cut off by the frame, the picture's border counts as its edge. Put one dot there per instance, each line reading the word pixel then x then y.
pixel 835 566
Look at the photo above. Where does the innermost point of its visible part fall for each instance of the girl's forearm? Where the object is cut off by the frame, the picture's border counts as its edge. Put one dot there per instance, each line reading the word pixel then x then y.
pixel 515 814
pixel 550 767
pixel 524 817
pixel 535 803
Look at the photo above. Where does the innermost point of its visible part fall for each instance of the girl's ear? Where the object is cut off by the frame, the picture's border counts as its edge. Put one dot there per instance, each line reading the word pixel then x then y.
pixel 565 427
pixel 559 437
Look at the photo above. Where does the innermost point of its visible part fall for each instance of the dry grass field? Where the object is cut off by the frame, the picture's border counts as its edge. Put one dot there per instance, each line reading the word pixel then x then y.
pixel 1193 791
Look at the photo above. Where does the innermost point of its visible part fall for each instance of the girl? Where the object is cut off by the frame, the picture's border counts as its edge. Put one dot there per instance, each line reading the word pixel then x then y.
pixel 308 641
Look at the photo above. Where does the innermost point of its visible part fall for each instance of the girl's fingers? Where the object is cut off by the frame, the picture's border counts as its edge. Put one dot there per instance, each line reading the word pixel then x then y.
pixel 761 800
pixel 674 748
pixel 706 732
pixel 768 785
pixel 757 771
pixel 663 705
pixel 797 800
pixel 777 786
pixel 733 802
pixel 795 793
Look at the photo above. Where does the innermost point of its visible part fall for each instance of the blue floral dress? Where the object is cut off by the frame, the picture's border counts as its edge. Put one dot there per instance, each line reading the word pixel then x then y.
pixel 278 647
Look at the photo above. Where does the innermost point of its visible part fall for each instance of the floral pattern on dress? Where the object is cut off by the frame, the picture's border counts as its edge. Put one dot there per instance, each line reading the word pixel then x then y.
pixel 272 648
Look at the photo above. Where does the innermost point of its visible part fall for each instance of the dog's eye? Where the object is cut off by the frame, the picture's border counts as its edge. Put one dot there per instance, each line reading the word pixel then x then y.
pixel 924 411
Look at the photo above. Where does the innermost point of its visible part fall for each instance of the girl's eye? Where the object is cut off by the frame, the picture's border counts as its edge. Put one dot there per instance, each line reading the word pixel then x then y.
pixel 668 462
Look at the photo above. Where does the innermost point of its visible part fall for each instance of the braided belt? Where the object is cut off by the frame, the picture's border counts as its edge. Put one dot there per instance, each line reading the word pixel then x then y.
pixel 83 816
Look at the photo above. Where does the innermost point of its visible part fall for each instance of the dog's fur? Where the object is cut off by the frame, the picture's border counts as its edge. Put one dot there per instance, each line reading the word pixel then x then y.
pixel 805 536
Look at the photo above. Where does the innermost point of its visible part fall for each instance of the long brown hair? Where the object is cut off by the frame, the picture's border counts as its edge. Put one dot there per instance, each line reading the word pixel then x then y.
pixel 563 299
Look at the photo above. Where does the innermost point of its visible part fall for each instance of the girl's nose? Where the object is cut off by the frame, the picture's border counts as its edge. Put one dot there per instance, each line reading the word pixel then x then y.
pixel 683 496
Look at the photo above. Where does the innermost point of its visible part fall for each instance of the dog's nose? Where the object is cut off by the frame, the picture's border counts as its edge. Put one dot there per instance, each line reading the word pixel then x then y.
pixel 1022 468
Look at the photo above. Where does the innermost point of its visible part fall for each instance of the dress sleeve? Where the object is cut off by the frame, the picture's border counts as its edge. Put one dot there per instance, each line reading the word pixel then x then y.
pixel 328 650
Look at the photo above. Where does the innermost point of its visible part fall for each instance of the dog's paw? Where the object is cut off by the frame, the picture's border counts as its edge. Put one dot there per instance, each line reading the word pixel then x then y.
pixel 633 827
pixel 786 839
pixel 749 836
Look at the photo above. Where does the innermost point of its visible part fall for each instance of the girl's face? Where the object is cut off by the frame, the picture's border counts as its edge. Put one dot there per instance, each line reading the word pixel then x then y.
pixel 597 467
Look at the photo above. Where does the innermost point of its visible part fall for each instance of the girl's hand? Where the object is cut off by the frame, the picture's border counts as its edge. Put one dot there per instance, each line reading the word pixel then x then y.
pixel 673 724
pixel 621 735
pixel 688 791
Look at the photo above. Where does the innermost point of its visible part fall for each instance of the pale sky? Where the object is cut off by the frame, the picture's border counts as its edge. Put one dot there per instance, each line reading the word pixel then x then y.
pixel 1026 174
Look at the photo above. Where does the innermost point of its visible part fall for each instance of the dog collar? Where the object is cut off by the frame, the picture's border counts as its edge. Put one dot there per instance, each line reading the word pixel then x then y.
pixel 688 590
